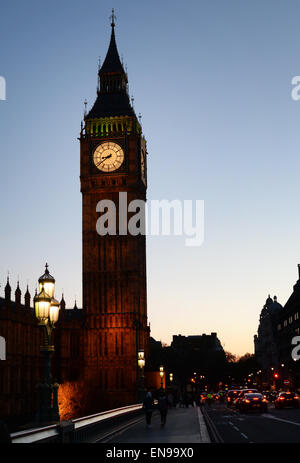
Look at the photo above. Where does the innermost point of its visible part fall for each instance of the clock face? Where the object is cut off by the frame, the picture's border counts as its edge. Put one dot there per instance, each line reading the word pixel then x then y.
pixel 108 157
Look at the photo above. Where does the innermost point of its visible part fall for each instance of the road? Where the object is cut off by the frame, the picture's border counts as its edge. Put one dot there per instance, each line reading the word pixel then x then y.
pixel 276 426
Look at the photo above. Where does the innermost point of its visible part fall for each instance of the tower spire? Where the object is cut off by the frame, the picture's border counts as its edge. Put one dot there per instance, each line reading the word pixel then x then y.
pixel 112 92
pixel 112 18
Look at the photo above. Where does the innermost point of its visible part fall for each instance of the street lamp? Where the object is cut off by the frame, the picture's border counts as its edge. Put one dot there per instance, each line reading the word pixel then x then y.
pixel 141 364
pixel 171 378
pixel 161 374
pixel 47 312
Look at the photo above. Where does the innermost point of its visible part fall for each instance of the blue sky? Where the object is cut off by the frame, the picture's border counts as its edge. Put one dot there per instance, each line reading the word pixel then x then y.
pixel 212 80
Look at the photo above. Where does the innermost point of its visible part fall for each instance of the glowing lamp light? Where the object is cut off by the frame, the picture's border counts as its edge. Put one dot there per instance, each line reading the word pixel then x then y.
pixel 171 377
pixel 42 303
pixel 47 282
pixel 141 359
pixel 161 371
pixel 54 311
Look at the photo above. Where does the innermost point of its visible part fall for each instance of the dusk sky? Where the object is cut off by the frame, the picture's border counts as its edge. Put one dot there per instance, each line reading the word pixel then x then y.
pixel 212 79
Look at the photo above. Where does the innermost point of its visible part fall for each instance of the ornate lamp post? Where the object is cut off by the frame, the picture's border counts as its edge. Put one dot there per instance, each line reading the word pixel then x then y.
pixel 141 364
pixel 161 374
pixel 47 312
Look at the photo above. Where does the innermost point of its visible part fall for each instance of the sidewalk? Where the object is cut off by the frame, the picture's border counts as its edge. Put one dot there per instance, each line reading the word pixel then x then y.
pixel 184 425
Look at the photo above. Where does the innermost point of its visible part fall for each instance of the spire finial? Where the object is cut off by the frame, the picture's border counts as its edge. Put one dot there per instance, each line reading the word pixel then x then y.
pixel 113 18
pixel 46 267
pixel 85 107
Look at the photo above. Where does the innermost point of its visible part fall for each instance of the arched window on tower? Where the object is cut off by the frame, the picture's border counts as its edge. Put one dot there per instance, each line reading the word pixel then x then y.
pixel 122 344
pixel 105 345
pixel 117 347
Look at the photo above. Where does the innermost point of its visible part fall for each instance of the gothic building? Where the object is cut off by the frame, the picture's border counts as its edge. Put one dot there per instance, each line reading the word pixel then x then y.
pixel 96 348
pixel 278 325
pixel 22 368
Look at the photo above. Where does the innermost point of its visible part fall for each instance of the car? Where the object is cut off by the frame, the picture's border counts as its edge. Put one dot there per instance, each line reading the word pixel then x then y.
pixel 242 395
pixel 287 399
pixel 203 397
pixel 252 401
pixel 231 396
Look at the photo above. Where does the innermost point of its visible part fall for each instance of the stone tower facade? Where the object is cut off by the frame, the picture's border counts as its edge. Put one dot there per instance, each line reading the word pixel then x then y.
pixel 113 161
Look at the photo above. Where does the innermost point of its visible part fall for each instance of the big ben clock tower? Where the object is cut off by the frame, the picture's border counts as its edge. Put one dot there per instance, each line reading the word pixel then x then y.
pixel 112 161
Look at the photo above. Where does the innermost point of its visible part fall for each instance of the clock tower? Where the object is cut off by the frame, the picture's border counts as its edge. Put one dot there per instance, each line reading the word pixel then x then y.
pixel 112 161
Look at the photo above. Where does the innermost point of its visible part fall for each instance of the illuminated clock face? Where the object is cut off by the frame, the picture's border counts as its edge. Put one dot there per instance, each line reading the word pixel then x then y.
pixel 108 157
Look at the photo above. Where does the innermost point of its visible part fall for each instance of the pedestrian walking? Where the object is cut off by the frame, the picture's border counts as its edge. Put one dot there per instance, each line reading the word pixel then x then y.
pixel 180 401
pixel 148 406
pixel 163 407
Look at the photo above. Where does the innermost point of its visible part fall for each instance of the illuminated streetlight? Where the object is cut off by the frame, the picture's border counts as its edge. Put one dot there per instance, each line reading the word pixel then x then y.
pixel 161 374
pixel 141 364
pixel 47 312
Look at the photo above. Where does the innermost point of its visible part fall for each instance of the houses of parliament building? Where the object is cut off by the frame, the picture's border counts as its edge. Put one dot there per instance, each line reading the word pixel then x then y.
pixel 95 358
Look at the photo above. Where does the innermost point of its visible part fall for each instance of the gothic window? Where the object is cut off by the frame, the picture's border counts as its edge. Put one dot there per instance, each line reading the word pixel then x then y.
pixel 296 316
pixel 105 345
pixel 290 320
pixel 122 344
pixel 100 346
pixel 297 330
pixel 279 327
pixel 285 323
pixel 117 348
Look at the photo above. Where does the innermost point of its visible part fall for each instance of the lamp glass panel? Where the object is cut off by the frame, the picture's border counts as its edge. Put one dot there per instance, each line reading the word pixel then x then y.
pixel 48 287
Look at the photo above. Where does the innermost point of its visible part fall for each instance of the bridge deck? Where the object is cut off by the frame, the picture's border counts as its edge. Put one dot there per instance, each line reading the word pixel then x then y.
pixel 184 425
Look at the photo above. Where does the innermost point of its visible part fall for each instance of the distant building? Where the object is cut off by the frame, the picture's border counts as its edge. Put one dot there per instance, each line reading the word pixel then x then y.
pixel 265 342
pixel 204 342
pixel 273 341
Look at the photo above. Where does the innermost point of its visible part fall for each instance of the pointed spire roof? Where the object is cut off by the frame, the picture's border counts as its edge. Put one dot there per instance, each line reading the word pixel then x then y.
pixel 112 99
pixel 112 62
pixel 27 291
pixel 8 287
pixel 18 290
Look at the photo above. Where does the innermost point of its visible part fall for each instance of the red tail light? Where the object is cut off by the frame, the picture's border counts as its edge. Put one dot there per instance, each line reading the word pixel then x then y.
pixel 281 398
pixel 247 401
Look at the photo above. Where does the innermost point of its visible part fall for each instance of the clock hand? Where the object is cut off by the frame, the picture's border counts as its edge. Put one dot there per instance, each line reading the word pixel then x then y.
pixel 104 159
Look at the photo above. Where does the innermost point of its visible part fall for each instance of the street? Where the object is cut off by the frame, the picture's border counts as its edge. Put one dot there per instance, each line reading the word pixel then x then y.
pixel 276 426
pixel 187 425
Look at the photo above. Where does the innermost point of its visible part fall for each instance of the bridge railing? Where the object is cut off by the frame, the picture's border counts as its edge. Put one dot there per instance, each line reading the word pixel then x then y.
pixel 78 430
